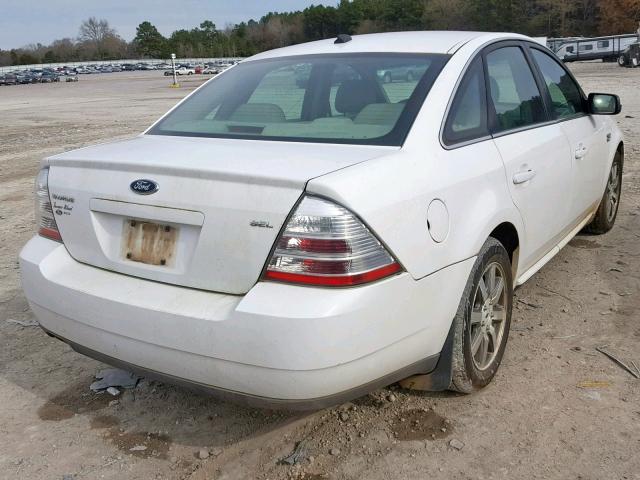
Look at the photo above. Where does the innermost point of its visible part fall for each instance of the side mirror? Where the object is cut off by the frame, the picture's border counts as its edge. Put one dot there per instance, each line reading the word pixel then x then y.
pixel 604 104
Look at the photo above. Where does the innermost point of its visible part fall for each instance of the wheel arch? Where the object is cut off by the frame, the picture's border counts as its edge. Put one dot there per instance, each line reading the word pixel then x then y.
pixel 620 150
pixel 507 234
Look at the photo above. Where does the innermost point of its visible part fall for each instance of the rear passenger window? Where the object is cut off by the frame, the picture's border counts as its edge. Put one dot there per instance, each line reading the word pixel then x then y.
pixel 514 94
pixel 467 118
pixel 566 99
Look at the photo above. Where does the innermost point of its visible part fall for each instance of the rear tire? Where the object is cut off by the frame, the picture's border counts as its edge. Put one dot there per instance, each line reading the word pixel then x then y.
pixel 481 325
pixel 608 209
pixel 621 61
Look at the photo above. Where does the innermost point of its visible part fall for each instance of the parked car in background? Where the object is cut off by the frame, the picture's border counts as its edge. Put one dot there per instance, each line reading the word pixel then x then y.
pixel 49 77
pixel 71 78
pixel 183 70
pixel 318 242
pixel 630 56
pixel 9 79
pixel 403 74
pixel 210 70
pixel 24 78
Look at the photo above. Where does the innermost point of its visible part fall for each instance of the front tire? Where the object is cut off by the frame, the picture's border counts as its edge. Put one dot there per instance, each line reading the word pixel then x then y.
pixel 608 210
pixel 481 325
pixel 622 61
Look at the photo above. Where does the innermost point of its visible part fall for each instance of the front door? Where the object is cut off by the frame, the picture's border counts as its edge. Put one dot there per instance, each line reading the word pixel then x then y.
pixel 587 134
pixel 536 153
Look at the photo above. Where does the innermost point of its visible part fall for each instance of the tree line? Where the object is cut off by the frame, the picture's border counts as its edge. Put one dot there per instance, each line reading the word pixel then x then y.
pixel 552 18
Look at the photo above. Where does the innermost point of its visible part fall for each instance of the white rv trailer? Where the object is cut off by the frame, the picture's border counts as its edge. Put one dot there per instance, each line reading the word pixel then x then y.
pixel 604 48
pixel 553 43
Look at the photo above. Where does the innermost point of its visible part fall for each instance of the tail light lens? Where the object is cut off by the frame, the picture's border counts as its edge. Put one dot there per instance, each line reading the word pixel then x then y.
pixel 45 220
pixel 325 244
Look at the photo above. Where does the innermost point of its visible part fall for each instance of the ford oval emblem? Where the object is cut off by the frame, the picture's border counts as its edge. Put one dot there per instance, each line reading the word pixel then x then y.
pixel 144 187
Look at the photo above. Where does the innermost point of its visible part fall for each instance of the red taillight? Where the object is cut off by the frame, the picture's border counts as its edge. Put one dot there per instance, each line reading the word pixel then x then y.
pixel 335 281
pixel 45 220
pixel 50 233
pixel 325 244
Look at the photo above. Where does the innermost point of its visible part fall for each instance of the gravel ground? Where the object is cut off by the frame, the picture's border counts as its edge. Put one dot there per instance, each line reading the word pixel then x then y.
pixel 556 410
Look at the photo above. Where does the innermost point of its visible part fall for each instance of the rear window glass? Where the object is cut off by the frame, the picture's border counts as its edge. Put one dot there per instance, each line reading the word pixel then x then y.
pixel 345 98
pixel 467 119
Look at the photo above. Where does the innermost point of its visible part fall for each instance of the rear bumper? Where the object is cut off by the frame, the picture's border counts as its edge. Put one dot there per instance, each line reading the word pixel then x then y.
pixel 278 345
pixel 424 366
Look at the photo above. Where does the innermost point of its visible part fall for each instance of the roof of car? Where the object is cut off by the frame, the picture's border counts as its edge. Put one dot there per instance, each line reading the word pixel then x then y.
pixel 406 42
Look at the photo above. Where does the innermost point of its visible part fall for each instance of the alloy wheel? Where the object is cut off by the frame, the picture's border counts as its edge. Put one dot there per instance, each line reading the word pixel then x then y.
pixel 613 192
pixel 488 316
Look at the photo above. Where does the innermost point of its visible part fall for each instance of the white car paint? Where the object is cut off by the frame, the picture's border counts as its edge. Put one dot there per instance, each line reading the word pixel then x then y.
pixel 291 343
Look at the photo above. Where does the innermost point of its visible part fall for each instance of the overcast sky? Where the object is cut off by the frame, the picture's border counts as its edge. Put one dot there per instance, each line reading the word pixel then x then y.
pixel 31 21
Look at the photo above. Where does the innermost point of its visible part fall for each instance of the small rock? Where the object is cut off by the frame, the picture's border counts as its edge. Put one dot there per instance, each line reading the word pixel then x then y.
pixel 203 454
pixel 113 391
pixel 113 403
pixel 392 398
pixel 173 459
pixel 138 448
pixel 334 451
pixel 457 444
pixel 344 416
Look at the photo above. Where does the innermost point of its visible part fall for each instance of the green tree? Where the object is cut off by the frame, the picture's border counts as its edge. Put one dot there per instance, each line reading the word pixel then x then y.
pixel 50 57
pixel 149 42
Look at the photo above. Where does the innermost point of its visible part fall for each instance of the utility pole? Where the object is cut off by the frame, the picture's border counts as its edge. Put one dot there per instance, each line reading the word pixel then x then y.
pixel 173 67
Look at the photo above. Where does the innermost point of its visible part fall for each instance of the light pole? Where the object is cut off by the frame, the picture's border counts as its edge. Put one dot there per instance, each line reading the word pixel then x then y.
pixel 173 67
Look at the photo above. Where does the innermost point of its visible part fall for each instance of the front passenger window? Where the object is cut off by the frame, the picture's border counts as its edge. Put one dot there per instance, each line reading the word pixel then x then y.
pixel 514 92
pixel 566 99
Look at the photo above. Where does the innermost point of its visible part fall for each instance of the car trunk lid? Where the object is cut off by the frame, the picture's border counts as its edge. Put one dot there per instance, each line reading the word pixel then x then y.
pixel 215 215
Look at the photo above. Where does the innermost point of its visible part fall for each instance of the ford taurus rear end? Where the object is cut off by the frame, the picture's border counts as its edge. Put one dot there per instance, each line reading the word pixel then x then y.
pixel 210 250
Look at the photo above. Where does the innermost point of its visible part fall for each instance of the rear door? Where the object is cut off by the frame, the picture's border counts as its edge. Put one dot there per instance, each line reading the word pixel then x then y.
pixel 535 151
pixel 586 134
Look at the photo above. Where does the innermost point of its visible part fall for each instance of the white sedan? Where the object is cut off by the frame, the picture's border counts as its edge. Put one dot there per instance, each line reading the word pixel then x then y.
pixel 300 241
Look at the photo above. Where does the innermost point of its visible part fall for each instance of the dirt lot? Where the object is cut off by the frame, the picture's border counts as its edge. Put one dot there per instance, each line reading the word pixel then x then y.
pixel 557 409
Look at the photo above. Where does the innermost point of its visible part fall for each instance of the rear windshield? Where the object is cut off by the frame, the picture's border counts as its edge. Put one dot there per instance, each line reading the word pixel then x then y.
pixel 342 98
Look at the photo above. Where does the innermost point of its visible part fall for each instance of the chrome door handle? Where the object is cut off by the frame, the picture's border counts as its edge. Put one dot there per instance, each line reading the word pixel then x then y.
pixel 522 177
pixel 580 152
